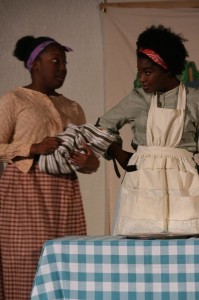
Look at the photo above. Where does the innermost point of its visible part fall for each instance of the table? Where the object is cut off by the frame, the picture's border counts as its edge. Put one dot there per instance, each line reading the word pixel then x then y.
pixel 114 268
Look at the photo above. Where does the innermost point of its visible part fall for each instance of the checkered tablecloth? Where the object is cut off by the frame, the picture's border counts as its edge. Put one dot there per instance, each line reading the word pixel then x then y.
pixel 114 268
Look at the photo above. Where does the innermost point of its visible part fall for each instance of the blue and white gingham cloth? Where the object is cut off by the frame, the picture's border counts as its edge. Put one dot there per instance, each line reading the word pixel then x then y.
pixel 114 268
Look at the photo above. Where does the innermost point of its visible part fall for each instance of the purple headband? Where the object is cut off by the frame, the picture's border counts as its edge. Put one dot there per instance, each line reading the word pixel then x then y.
pixel 40 48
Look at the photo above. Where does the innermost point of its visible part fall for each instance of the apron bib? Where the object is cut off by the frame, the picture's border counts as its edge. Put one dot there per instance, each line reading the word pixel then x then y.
pixel 163 194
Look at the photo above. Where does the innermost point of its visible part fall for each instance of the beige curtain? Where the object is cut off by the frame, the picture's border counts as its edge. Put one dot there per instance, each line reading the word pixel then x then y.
pixel 121 26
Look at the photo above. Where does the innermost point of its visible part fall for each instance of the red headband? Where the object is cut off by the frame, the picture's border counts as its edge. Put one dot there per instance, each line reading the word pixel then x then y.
pixel 154 57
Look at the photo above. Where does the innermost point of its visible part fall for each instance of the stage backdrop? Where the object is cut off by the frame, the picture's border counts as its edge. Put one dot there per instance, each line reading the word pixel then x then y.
pixel 121 27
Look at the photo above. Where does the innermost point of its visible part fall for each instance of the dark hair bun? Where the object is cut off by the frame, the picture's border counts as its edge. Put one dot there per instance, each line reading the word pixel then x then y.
pixel 26 45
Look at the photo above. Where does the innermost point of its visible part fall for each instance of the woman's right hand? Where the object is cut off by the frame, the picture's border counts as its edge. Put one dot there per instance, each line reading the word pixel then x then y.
pixel 122 156
pixel 47 146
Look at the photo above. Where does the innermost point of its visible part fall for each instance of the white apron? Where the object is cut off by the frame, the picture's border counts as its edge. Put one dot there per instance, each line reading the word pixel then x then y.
pixel 163 194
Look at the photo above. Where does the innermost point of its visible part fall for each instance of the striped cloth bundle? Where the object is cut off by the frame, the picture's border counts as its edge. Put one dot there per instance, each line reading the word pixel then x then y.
pixel 73 138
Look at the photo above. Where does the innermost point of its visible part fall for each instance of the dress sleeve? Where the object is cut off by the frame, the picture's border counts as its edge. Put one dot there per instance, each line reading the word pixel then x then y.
pixel 82 117
pixel 121 114
pixel 78 115
pixel 8 119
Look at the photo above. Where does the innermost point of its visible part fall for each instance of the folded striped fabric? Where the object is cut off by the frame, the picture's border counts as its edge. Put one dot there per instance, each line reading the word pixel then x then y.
pixel 73 138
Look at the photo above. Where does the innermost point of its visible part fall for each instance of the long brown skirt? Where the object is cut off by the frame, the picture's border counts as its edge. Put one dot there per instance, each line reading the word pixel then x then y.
pixel 34 207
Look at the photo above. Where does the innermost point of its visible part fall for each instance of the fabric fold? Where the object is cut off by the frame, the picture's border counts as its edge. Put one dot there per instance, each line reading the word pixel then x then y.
pixel 73 139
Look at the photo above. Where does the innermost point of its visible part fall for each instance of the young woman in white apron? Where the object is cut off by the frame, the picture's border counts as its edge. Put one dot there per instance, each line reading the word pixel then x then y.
pixel 162 195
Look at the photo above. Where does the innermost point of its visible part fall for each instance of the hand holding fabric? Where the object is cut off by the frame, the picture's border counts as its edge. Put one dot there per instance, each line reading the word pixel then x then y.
pixel 47 146
pixel 122 156
pixel 85 158
pixel 87 162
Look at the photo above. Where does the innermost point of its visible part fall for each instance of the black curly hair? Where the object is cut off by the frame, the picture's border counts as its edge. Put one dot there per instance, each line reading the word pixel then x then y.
pixel 169 46
pixel 26 45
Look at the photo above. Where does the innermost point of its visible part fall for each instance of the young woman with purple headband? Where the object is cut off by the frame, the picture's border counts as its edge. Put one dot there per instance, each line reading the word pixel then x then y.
pixel 160 190
pixel 36 206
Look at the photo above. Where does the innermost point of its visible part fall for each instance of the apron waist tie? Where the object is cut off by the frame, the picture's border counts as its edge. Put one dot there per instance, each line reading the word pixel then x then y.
pixel 164 151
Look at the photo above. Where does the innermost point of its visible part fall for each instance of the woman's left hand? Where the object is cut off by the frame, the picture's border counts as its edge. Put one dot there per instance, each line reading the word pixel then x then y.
pixel 87 162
